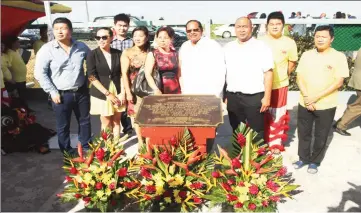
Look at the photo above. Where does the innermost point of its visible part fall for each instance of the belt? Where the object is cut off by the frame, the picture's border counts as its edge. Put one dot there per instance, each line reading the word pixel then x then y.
pixel 74 90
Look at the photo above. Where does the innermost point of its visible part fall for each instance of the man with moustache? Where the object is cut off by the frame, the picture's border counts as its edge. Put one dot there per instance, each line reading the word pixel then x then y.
pixel 202 68
pixel 284 51
pixel 320 72
pixel 121 42
pixel 249 64
pixel 60 72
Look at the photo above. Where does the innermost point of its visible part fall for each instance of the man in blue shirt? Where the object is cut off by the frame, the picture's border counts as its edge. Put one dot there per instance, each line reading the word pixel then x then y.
pixel 60 72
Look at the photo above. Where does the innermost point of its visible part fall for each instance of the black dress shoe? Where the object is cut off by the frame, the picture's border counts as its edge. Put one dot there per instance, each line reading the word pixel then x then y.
pixel 342 132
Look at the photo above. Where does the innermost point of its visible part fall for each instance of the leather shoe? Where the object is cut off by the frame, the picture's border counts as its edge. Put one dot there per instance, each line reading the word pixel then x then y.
pixel 341 132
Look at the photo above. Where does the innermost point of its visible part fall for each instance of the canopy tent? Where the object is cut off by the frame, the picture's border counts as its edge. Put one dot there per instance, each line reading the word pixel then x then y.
pixel 16 15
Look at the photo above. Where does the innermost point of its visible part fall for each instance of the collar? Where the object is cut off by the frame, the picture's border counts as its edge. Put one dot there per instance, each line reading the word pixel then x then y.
pixel 116 39
pixel 56 43
pixel 247 42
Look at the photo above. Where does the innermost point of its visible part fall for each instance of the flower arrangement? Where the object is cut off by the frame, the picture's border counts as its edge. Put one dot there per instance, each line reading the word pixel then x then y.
pixel 251 178
pixel 101 177
pixel 173 176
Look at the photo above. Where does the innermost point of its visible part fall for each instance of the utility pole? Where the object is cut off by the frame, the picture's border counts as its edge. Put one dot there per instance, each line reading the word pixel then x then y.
pixel 87 14
pixel 49 21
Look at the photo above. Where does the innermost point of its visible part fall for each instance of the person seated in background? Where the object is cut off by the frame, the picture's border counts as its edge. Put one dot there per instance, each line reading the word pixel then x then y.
pixel 43 39
pixel 103 70
pixel 5 75
pixel 165 58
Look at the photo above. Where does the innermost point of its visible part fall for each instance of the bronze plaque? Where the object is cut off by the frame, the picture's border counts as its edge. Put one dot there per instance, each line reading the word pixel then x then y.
pixel 180 110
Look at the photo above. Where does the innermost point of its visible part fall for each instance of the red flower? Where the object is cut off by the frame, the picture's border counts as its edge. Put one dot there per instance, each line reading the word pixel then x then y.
pixel 167 193
pixel 86 199
pixel 68 179
pixel 83 185
pixel 196 185
pixel 272 185
pixel 150 189
pixel 231 181
pixel 265 203
pixel 182 194
pixel 173 141
pixel 156 197
pixel 122 172
pixel 241 139
pixel 241 184
pixel 216 174
pixel 261 151
pixel 238 205
pixel 231 197
pixel 98 185
pixel 112 186
pixel 113 202
pixel 73 171
pixel 100 154
pixel 281 172
pixel 104 135
pixel 147 197
pixel 236 164
pixel 77 196
pixel 252 206
pixel 197 200
pixel 226 187
pixel 130 185
pixel 274 198
pixel 145 173
pixel 165 157
pixel 253 189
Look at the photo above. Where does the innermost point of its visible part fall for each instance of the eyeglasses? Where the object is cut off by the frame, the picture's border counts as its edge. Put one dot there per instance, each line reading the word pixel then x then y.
pixel 193 30
pixel 101 37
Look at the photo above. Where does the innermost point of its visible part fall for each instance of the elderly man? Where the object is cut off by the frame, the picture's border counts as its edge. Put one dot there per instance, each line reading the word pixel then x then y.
pixel 60 72
pixel 249 64
pixel 284 50
pixel 353 110
pixel 320 73
pixel 202 65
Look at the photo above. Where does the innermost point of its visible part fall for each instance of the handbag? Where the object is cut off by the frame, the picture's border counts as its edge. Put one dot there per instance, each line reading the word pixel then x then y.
pixel 140 86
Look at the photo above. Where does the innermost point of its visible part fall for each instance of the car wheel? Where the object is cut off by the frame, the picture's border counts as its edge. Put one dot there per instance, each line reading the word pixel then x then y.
pixel 226 34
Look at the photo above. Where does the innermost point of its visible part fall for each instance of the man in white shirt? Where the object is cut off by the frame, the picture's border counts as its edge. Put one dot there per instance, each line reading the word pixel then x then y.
pixel 249 64
pixel 202 63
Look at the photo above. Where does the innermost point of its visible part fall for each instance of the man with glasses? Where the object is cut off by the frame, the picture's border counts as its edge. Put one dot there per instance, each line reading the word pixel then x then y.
pixel 202 64
pixel 121 42
pixel 60 72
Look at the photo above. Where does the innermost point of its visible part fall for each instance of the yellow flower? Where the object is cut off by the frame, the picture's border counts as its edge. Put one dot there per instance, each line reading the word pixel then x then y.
pixel 188 183
pixel 178 199
pixel 119 190
pixel 262 180
pixel 172 169
pixel 78 179
pixel 254 175
pixel 176 192
pixel 246 184
pixel 159 190
pixel 159 183
pixel 92 182
pixel 100 193
pixel 87 191
pixel 243 198
pixel 108 191
pixel 242 190
pixel 178 180
pixel 157 177
pixel 88 177
pixel 168 200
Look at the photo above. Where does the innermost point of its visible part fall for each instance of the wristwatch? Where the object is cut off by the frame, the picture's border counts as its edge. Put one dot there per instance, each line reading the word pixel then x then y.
pixel 107 93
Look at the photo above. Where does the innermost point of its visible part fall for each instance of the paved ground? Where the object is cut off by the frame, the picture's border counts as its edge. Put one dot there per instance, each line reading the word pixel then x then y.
pixel 30 181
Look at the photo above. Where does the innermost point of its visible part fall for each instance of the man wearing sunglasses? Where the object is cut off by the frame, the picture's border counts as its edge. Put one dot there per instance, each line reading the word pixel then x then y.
pixel 60 72
pixel 202 67
pixel 121 42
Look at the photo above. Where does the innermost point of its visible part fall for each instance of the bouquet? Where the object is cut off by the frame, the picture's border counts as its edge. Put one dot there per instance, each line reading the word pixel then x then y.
pixel 250 178
pixel 101 177
pixel 173 176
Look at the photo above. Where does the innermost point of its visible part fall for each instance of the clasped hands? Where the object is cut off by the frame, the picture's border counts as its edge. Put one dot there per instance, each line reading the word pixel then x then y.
pixel 310 102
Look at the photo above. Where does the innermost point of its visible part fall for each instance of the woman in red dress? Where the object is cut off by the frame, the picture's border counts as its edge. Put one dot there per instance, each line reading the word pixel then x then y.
pixel 165 57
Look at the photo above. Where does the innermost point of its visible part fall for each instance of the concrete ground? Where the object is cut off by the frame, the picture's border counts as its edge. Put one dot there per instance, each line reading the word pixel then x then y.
pixel 30 181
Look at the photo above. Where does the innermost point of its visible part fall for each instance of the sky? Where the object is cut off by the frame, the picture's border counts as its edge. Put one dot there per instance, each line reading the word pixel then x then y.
pixel 218 11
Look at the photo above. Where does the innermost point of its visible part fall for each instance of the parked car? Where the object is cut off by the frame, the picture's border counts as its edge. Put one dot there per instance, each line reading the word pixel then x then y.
pixel 27 38
pixel 226 31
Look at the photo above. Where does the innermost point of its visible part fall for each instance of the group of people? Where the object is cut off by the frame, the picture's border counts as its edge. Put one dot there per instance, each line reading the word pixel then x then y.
pixel 251 76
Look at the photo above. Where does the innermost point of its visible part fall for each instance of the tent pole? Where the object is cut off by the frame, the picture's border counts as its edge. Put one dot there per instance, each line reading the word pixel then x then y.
pixel 49 21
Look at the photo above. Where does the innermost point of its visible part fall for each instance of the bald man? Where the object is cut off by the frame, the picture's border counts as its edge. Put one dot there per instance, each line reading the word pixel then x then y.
pixel 249 64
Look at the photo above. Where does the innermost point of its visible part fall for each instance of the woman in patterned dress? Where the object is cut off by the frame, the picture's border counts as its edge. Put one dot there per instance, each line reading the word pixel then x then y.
pixel 165 57
pixel 132 60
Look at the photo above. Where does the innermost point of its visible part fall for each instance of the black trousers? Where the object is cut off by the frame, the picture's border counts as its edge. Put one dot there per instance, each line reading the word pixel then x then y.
pixel 323 122
pixel 246 108
pixel 126 123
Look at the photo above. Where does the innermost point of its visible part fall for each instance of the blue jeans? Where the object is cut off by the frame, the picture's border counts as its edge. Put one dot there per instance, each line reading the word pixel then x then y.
pixel 79 102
